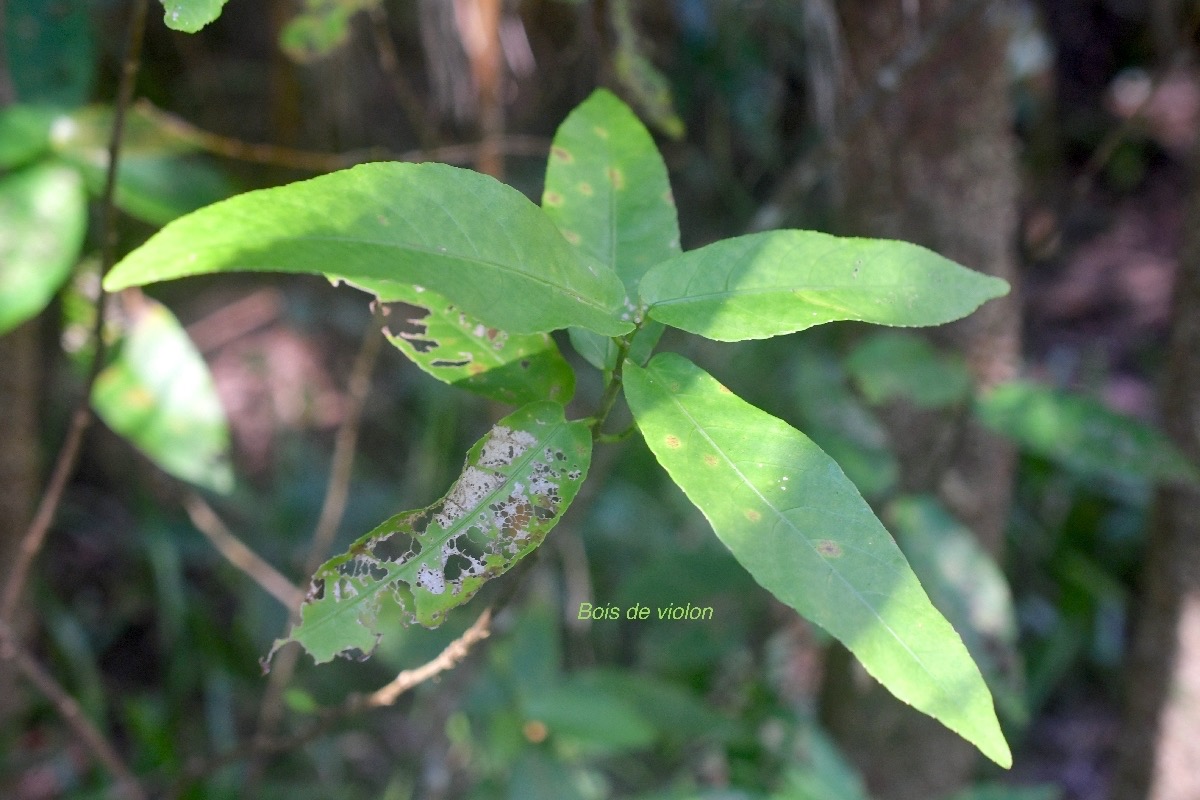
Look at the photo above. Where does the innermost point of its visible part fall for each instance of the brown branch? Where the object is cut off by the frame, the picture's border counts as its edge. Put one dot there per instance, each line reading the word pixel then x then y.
pixel 314 161
pixel 447 660
pixel 241 556
pixel 35 535
pixel 69 710
pixel 807 170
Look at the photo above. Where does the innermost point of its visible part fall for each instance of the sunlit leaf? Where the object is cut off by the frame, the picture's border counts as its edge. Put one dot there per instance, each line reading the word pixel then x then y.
pixel 776 282
pixel 892 365
pixel 158 394
pixel 43 218
pixel 797 524
pixel 967 586
pixel 480 244
pixel 1082 434
pixel 190 16
pixel 607 191
pixel 461 351
pixel 516 484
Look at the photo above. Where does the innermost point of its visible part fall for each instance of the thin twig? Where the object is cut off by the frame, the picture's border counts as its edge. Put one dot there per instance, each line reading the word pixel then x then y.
pixel 807 170
pixel 447 660
pixel 337 492
pixel 69 710
pixel 237 553
pixel 315 161
pixel 35 535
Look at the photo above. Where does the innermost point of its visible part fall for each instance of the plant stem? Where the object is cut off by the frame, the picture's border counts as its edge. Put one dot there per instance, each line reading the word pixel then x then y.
pixel 35 535
pixel 613 389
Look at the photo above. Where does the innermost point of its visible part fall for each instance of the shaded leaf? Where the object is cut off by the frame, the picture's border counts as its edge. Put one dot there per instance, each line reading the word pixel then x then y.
pixel 1082 434
pixel 967 586
pixel 797 524
pixel 190 16
pixel 51 50
pixel 43 219
pixel 322 27
pixel 649 88
pixel 466 236
pixel 590 715
pixel 776 282
pixel 821 771
pixel 461 351
pixel 891 365
pixel 160 177
pixel 158 394
pixel 24 134
pixel 516 483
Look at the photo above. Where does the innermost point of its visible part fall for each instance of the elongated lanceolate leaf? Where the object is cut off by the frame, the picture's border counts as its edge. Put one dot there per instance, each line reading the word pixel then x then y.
pixel 461 351
pixel 158 393
pixel 43 218
pixel 1081 434
pixel 517 482
pixel 767 284
pixel 480 244
pixel 798 525
pixel 607 191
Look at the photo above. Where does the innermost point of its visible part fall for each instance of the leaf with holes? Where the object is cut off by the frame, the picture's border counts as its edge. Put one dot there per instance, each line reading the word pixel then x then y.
pixel 798 525
pixel 43 218
pixel 461 351
pixel 517 482
pixel 157 393
pixel 607 191
pixel 478 243
pixel 767 284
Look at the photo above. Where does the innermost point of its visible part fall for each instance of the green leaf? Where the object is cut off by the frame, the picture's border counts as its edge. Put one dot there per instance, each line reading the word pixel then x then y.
pixel 158 394
pixel 649 87
pixel 797 524
pixel 24 134
pixel 967 586
pixel 190 16
pixel 43 219
pixel 321 28
pixel 466 236
pixel 160 176
pixel 1082 434
pixel 589 715
pixel 517 482
pixel 459 350
pixel 51 50
pixel 890 365
pixel 821 772
pixel 776 282
pixel 607 189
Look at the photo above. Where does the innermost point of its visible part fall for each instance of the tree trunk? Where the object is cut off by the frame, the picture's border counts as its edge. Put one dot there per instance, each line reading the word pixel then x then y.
pixel 1160 745
pixel 934 164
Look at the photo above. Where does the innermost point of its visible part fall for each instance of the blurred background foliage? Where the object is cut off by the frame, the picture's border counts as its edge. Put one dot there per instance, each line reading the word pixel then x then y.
pixel 159 637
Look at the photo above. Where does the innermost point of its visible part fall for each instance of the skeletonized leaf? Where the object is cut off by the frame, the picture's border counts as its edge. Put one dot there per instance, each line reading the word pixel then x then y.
pixel 798 525
pixel 158 394
pixel 517 482
pixel 776 282
pixel 43 218
pixel 1082 434
pixel 461 351
pixel 480 244
pixel 190 16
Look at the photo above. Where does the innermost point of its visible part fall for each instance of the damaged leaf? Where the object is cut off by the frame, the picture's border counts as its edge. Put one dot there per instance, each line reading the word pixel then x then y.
pixel 516 483
pixel 458 349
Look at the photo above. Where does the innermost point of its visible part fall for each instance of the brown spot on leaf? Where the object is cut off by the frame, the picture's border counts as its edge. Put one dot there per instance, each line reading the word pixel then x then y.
pixel 572 237
pixel 753 515
pixel 710 459
pixel 586 189
pixel 617 177
pixel 672 441
pixel 552 199
pixel 829 548
pixel 561 154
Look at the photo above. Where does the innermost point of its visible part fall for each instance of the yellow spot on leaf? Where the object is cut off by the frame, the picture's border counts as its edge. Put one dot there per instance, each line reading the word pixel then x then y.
pixel 710 459
pixel 723 388
pixel 672 441
pixel 585 189
pixel 572 237
pixel 552 199
pixel 535 731
pixel 617 177
pixel 601 132
pixel 753 515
